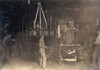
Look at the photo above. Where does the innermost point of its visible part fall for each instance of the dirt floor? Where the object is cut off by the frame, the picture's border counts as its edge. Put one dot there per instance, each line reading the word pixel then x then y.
pixel 16 64
pixel 24 56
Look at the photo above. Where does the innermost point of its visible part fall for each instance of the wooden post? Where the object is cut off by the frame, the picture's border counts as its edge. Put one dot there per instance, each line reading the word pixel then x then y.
pixel 50 22
pixel 29 1
pixel 44 17
pixel 39 10
pixel 36 16
pixel 39 4
pixel 97 21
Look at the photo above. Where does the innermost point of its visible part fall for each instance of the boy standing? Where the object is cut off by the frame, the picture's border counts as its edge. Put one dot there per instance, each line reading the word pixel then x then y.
pixel 42 48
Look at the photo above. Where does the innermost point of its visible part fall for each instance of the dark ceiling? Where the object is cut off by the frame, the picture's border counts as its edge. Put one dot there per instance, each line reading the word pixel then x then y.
pixel 18 10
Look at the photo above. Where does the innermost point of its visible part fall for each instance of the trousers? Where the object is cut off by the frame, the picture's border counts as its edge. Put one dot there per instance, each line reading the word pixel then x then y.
pixel 43 58
pixel 96 55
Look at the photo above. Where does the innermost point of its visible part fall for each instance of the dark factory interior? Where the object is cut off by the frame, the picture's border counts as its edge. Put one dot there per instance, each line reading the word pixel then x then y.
pixel 71 30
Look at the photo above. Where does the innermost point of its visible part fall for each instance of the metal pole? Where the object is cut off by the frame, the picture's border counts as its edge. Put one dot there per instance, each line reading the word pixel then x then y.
pixel 36 16
pixel 44 17
pixel 40 18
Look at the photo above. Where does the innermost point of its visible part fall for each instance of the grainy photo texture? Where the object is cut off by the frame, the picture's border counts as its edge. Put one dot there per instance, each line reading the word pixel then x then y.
pixel 49 34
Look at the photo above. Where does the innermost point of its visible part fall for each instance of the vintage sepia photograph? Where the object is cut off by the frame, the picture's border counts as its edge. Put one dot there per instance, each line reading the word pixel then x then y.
pixel 49 34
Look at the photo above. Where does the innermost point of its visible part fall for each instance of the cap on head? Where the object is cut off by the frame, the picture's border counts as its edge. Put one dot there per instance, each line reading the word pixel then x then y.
pixel 39 3
pixel 42 34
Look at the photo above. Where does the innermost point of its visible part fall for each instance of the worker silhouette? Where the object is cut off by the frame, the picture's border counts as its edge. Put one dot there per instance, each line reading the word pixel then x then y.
pixel 96 53
pixel 7 42
pixel 42 52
